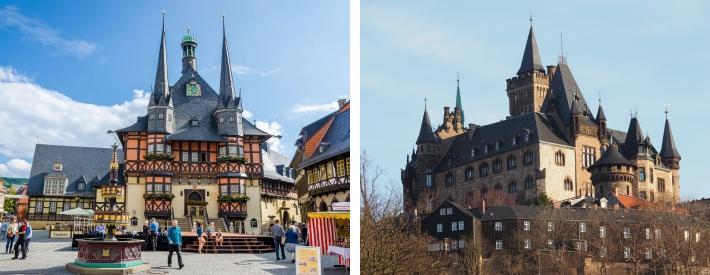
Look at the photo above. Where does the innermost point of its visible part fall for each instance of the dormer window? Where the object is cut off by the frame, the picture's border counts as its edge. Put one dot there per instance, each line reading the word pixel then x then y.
pixel 80 186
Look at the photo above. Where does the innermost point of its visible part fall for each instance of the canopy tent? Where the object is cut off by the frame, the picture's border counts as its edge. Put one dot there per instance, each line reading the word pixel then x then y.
pixel 78 212
pixel 323 230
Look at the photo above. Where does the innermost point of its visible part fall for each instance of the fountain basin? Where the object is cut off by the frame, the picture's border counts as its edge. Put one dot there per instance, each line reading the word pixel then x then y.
pixel 104 256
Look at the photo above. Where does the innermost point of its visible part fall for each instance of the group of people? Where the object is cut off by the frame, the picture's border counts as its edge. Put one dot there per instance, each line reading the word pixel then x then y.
pixel 288 239
pixel 202 239
pixel 151 231
pixel 17 233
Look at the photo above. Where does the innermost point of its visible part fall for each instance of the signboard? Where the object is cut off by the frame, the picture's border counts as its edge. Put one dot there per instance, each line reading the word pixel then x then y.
pixel 60 235
pixel 341 206
pixel 308 260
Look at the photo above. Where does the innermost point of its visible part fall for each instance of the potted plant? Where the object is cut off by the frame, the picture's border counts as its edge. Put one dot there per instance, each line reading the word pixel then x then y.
pixel 159 196
pixel 198 203
pixel 237 198
pixel 232 159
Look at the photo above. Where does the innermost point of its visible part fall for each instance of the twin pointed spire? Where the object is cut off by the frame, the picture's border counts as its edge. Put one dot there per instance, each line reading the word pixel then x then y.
pixel 227 98
pixel 531 57
pixel 161 86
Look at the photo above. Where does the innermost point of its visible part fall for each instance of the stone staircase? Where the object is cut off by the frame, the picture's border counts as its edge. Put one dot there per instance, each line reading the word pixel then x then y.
pixel 234 244
pixel 184 224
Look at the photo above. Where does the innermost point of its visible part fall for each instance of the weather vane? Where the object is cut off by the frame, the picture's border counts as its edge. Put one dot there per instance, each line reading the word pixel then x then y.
pixel 668 106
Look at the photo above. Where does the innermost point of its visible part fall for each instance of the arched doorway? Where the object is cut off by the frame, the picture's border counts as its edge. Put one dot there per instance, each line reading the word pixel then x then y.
pixel 194 209
pixel 286 219
pixel 323 206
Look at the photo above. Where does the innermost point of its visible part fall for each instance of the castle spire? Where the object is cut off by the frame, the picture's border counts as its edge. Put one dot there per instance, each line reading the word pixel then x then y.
pixel 458 98
pixel 426 134
pixel 226 82
pixel 531 57
pixel 161 88
pixel 668 149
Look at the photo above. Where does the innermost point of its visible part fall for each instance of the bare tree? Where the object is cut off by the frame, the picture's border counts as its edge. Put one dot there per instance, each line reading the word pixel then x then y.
pixel 390 242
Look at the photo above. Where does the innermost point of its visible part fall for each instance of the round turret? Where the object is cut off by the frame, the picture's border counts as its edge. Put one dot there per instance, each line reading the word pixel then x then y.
pixel 613 173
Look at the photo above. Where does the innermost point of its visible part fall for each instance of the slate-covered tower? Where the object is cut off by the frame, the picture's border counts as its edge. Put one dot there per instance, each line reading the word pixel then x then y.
pixel 229 109
pixel 160 107
pixel 529 87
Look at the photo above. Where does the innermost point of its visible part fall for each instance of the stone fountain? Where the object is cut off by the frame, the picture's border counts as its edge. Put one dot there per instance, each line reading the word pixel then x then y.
pixel 109 255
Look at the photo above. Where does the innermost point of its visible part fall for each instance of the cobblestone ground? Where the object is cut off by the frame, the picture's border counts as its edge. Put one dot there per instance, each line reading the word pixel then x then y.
pixel 48 256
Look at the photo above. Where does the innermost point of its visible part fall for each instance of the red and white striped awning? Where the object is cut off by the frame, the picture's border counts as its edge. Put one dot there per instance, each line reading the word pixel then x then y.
pixel 321 233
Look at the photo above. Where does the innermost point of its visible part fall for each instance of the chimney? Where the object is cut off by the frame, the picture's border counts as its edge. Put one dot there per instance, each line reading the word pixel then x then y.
pixel 551 69
pixel 415 213
pixel 341 103
pixel 483 206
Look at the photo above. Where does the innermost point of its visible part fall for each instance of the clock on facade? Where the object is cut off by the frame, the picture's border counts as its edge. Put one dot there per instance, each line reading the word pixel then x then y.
pixel 192 89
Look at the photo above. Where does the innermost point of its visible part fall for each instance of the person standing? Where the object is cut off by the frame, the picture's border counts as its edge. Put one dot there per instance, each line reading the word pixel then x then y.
pixel 304 234
pixel 10 235
pixel 174 241
pixel 146 233
pixel 154 230
pixel 20 243
pixel 29 237
pixel 291 242
pixel 199 229
pixel 277 231
pixel 3 229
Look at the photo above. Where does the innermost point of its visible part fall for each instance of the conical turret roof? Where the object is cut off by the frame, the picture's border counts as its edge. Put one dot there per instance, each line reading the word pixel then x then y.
pixel 426 134
pixel 531 56
pixel 668 149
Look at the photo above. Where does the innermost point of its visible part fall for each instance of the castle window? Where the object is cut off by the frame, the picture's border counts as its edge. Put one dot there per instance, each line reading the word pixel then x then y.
pixel 627 233
pixel 661 185
pixel 560 158
pixel 221 119
pixel 589 155
pixel 469 173
pixel 428 177
pixel 231 119
pixel 526 225
pixel 498 226
pixel 602 232
pixel 582 227
pixel 497 166
pixel 512 187
pixel 512 162
pixel 449 180
pixel 161 116
pixel 627 252
pixel 528 244
pixel 151 116
pixel 483 170
pixel 499 244
pixel 439 228
pixel 550 227
pixel 529 183
pixel 642 174
pixel 568 184
pixel 528 158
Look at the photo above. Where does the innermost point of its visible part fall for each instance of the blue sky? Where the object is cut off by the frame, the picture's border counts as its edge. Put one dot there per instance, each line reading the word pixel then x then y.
pixel 636 54
pixel 70 70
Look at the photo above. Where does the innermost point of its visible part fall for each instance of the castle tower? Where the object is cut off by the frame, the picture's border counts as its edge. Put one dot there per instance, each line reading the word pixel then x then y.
pixel 426 141
pixel 189 59
pixel 160 106
pixel 671 157
pixel 229 109
pixel 613 174
pixel 601 121
pixel 528 89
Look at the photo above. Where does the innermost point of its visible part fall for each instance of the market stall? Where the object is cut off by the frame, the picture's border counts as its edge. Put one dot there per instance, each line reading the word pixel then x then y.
pixel 331 232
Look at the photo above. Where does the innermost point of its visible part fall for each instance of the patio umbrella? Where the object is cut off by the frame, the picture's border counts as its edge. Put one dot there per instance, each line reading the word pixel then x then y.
pixel 78 212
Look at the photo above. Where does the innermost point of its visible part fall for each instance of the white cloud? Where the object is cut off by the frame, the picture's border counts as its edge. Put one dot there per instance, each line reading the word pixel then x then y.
pixel 327 107
pixel 35 30
pixel 245 70
pixel 15 168
pixel 31 114
pixel 275 129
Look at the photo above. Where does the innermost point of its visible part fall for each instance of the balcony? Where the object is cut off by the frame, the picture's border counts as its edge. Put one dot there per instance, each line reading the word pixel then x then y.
pixel 329 185
pixel 233 209
pixel 278 193
pixel 159 208
pixel 213 169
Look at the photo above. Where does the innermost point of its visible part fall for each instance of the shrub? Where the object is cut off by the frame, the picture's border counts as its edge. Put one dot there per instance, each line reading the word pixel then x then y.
pixel 231 159
pixel 158 156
